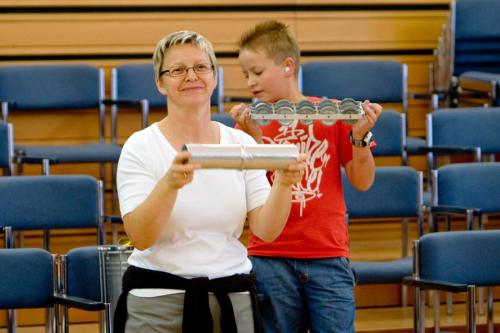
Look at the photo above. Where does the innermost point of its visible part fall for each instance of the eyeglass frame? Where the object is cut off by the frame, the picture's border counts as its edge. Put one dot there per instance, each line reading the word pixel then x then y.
pixel 186 70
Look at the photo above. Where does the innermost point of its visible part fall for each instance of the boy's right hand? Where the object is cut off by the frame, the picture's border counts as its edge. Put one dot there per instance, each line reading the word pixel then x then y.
pixel 241 115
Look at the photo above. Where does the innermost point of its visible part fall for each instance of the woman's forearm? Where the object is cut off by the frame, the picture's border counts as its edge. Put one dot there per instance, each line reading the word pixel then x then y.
pixel 273 215
pixel 146 222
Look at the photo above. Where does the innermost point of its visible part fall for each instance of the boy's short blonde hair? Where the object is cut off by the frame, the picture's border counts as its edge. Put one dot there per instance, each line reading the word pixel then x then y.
pixel 180 38
pixel 274 38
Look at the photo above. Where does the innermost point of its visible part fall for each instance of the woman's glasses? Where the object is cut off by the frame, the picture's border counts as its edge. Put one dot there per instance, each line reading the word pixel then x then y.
pixel 176 71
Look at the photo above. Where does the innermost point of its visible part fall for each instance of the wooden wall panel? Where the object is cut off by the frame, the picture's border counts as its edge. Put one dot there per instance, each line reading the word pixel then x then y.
pixel 124 33
pixel 145 3
pixel 369 30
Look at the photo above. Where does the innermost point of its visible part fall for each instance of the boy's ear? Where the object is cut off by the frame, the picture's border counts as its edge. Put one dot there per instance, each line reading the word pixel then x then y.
pixel 289 64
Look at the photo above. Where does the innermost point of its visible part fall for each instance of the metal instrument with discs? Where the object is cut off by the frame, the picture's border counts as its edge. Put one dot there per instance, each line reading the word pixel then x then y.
pixel 327 111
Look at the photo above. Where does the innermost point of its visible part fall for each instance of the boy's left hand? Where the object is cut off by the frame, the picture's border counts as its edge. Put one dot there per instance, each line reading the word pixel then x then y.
pixel 365 124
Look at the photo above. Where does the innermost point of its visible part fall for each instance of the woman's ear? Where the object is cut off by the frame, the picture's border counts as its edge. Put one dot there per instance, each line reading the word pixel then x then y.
pixel 160 87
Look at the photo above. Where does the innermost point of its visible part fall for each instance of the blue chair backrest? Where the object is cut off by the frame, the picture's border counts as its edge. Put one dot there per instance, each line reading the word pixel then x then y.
pixel 83 273
pixel 476 36
pixel 26 277
pixel 464 257
pixel 137 81
pixel 388 133
pixel 5 145
pixel 50 202
pixel 52 86
pixel 465 127
pixel 378 81
pixel 396 192
pixel 223 118
pixel 474 185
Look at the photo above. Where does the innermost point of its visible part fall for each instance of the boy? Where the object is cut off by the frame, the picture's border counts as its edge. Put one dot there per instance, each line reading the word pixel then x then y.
pixel 304 279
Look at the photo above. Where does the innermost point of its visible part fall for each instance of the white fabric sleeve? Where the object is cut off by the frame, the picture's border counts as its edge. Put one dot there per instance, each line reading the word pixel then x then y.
pixel 135 180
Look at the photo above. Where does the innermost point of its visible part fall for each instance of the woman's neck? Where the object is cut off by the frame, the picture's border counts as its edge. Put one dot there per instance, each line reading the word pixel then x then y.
pixel 189 127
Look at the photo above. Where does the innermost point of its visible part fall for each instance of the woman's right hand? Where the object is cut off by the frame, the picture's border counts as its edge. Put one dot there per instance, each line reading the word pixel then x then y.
pixel 241 115
pixel 181 172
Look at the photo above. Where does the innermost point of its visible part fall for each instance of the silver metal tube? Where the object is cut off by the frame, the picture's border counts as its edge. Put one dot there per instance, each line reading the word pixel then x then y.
pixel 268 157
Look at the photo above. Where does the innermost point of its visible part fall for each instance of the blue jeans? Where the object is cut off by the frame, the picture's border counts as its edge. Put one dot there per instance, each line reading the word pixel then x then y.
pixel 300 294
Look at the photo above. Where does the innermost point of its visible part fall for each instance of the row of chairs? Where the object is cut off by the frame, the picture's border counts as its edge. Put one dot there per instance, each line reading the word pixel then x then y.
pixel 28 88
pixel 466 62
pixel 462 192
pixel 35 278
pixel 80 87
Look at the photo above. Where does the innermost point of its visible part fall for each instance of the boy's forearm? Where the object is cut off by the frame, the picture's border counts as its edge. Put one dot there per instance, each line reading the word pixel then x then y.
pixel 362 168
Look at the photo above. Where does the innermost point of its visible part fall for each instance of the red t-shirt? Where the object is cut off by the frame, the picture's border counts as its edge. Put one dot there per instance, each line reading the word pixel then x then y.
pixel 316 227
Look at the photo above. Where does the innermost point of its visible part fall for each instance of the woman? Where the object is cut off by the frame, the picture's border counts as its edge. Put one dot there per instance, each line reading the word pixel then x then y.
pixel 189 266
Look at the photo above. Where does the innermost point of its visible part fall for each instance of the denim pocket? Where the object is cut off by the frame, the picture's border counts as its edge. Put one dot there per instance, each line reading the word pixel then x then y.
pixel 347 264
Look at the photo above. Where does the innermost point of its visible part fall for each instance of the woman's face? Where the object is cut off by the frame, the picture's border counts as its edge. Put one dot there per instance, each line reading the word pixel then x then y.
pixel 188 77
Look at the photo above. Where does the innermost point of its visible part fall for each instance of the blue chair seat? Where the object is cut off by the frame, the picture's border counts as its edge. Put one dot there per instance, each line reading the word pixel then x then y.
pixel 373 272
pixel 84 153
pixel 481 76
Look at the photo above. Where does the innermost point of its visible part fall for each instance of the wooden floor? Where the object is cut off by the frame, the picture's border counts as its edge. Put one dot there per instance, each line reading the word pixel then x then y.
pixel 376 320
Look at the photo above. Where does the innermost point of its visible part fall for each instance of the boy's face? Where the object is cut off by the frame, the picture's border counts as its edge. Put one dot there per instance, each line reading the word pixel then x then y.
pixel 266 80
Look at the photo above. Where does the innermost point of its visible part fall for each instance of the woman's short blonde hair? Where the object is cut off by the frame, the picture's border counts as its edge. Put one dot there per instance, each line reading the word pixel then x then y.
pixel 180 38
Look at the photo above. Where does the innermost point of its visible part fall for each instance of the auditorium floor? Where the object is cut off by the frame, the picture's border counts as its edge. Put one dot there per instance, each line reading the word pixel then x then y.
pixel 374 320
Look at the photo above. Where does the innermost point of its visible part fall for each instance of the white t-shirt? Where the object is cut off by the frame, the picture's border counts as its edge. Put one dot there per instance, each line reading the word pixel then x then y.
pixel 208 216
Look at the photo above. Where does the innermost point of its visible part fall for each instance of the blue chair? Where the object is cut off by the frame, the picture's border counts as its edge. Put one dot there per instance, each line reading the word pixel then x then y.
pixel 6 148
pixel 396 193
pixel 28 279
pixel 80 279
pixel 461 131
pixel 57 87
pixel 50 202
pixel 469 189
pixel 378 81
pixel 467 63
pixel 455 262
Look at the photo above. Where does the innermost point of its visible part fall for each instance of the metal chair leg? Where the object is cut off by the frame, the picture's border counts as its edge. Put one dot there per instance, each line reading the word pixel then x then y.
pixel 471 309
pixel 11 321
pixel 491 325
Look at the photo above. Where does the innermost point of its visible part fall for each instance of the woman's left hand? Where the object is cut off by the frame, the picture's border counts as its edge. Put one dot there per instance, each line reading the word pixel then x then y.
pixel 365 124
pixel 293 174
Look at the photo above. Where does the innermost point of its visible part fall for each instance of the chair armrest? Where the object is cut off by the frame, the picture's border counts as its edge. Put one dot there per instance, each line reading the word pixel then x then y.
pixel 78 302
pixel 113 219
pixel 441 96
pixel 36 160
pixel 241 99
pixel 122 102
pixel 434 284
pixel 442 209
pixel 446 150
